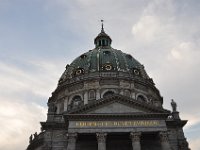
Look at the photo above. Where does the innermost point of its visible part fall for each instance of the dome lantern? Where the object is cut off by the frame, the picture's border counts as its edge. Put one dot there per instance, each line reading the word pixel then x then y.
pixel 102 40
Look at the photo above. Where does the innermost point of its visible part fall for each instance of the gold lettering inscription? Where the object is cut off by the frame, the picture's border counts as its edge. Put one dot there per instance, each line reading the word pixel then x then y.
pixel 138 123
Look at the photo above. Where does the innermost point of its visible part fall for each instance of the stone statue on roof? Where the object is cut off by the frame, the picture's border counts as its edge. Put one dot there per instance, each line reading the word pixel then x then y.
pixel 174 106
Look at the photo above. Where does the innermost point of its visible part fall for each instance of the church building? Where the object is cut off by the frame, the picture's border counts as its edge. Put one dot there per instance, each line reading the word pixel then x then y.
pixel 105 100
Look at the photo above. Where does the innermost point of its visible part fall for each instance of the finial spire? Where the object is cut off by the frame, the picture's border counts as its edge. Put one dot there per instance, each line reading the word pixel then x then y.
pixel 102 29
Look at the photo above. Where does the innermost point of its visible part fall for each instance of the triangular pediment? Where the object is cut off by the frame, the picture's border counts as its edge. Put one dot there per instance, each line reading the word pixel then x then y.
pixel 114 107
pixel 117 104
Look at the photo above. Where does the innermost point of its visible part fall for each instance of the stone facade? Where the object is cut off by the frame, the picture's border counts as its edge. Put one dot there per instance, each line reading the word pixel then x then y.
pixel 106 101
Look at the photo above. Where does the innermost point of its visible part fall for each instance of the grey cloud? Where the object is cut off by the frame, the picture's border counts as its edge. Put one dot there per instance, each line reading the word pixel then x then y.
pixel 18 121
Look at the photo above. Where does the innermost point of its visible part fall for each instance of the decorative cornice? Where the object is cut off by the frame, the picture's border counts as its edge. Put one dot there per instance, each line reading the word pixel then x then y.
pixel 98 75
pixel 95 76
pixel 176 123
pixel 115 116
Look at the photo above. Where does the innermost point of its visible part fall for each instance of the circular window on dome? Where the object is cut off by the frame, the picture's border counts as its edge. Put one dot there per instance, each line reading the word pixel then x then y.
pixel 83 56
pixel 136 71
pixel 79 71
pixel 107 67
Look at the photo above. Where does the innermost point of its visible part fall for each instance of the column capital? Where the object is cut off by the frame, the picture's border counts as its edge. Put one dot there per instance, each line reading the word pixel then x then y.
pixel 164 140
pixel 101 136
pixel 135 136
pixel 163 136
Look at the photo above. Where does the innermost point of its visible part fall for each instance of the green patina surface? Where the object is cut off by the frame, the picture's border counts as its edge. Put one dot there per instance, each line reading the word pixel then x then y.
pixel 104 58
pixel 98 57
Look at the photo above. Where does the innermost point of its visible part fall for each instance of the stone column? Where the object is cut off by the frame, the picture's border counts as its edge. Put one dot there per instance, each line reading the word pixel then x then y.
pixel 164 141
pixel 135 138
pixel 101 138
pixel 71 141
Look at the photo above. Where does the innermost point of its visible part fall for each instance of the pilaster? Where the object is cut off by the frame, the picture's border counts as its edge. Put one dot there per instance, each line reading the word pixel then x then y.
pixel 71 141
pixel 86 97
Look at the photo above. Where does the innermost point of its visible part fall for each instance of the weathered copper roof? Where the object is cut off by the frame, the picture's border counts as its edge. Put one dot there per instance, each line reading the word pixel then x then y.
pixel 104 58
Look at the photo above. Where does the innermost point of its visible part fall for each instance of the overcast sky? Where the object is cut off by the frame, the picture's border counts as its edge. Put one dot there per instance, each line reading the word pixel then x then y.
pixel 39 37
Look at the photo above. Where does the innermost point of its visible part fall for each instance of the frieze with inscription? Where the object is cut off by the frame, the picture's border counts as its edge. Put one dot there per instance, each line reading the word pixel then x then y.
pixel 128 123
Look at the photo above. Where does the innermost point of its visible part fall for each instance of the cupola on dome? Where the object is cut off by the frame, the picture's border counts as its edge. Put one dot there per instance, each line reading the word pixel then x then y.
pixel 102 40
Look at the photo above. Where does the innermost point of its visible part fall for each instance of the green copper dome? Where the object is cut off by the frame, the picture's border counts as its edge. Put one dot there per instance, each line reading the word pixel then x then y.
pixel 104 58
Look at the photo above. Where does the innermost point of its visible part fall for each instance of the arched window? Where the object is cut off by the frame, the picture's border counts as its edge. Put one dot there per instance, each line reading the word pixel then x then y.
pixel 109 93
pixel 141 98
pixel 103 42
pixel 106 42
pixel 92 94
pixel 76 102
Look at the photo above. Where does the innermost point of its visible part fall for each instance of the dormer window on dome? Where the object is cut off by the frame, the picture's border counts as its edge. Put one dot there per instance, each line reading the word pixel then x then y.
pixel 102 40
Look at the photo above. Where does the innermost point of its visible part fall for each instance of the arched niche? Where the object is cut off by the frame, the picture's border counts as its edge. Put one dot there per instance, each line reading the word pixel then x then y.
pixel 92 94
pixel 76 101
pixel 108 93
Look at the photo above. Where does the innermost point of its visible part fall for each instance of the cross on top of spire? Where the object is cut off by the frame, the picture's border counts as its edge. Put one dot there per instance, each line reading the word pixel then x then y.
pixel 102 28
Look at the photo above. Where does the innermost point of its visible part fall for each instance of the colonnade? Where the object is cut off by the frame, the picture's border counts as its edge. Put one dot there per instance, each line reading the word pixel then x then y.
pixel 135 139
